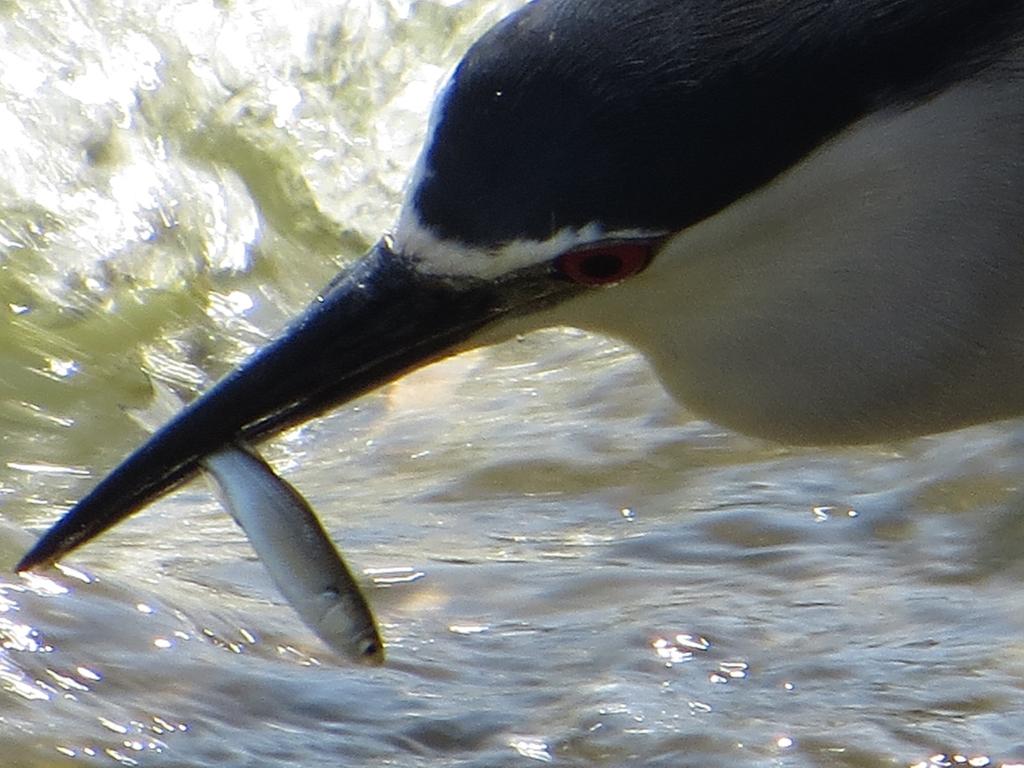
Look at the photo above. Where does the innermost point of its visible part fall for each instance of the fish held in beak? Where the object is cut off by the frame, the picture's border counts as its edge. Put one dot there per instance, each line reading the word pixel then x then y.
pixel 297 552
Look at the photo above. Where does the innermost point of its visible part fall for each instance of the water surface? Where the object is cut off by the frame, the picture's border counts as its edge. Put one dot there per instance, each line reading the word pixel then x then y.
pixel 568 567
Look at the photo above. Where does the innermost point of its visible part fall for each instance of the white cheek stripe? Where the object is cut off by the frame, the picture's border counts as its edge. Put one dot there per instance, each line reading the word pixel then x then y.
pixel 437 256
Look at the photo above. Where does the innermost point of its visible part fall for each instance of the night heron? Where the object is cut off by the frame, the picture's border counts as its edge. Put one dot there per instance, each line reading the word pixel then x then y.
pixel 809 216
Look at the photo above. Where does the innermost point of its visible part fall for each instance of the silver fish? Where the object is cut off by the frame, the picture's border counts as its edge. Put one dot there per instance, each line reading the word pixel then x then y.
pixel 295 549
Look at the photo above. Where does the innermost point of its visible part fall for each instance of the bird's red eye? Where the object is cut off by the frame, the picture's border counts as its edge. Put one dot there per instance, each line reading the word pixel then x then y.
pixel 605 263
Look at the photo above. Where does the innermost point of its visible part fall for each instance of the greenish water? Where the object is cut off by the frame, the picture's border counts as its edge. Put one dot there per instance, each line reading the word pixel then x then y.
pixel 567 567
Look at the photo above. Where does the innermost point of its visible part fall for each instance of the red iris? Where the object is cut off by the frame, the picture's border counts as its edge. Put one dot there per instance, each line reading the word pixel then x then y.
pixel 606 263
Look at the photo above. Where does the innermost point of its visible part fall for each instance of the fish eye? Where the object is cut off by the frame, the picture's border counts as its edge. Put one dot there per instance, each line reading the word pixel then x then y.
pixel 605 263
pixel 371 648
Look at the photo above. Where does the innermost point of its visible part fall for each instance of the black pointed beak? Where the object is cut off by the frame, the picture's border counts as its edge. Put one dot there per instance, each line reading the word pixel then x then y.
pixel 377 320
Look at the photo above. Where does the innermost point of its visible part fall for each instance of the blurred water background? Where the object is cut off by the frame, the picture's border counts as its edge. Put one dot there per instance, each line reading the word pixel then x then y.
pixel 567 566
